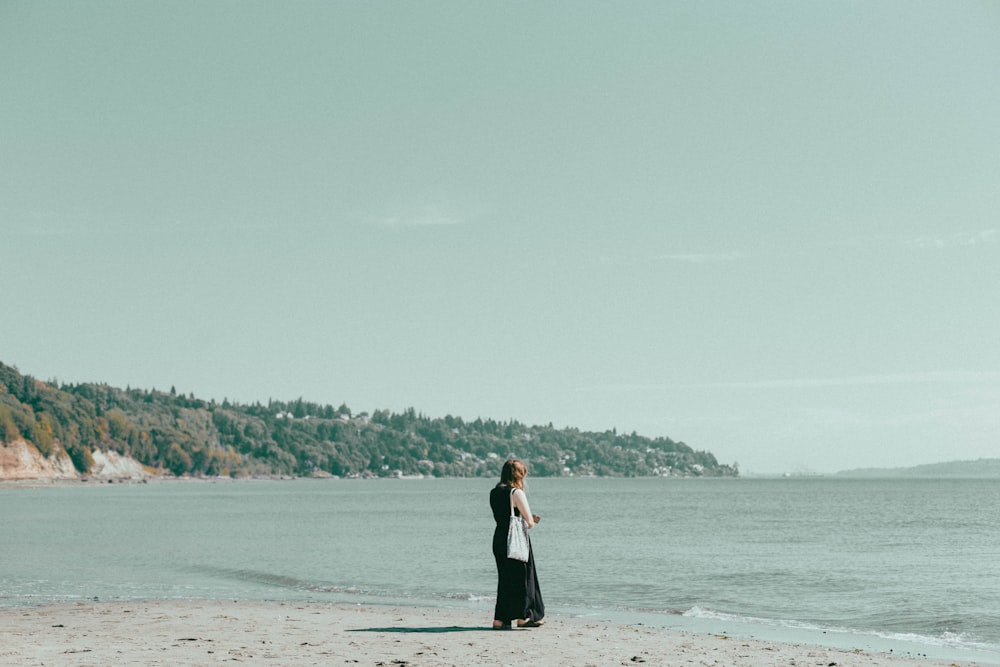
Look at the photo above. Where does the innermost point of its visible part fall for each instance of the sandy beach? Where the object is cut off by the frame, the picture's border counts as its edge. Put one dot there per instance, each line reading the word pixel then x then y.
pixel 275 633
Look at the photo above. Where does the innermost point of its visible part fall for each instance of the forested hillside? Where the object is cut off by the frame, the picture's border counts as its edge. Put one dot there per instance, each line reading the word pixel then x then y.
pixel 186 435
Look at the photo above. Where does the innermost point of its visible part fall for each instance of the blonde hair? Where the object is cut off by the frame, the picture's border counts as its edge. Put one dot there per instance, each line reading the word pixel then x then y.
pixel 513 473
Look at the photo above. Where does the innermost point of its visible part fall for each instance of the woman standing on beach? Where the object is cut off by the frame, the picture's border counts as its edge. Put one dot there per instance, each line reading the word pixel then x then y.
pixel 518 595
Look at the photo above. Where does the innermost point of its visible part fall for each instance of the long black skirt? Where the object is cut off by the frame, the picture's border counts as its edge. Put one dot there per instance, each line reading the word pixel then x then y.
pixel 518 594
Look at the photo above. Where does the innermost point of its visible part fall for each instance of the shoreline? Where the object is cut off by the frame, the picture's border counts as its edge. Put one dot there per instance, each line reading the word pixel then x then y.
pixel 200 632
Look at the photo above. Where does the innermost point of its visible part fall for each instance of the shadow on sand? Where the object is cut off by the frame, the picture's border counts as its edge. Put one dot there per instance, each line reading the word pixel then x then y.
pixel 449 628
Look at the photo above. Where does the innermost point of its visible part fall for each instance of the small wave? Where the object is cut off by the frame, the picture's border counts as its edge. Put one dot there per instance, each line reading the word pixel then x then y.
pixel 470 597
pixel 950 640
pixel 297 584
pixel 944 640
pixel 279 580
pixel 699 612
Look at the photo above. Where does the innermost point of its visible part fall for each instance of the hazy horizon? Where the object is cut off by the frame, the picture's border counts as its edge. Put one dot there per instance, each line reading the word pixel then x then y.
pixel 768 230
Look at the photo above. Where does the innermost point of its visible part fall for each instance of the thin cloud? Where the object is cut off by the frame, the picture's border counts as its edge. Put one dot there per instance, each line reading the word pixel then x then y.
pixel 945 377
pixel 44 231
pixel 36 222
pixel 961 239
pixel 704 258
pixel 425 220
pixel 924 241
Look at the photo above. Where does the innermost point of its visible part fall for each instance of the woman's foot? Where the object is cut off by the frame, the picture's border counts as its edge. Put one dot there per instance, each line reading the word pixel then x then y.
pixel 500 625
pixel 530 624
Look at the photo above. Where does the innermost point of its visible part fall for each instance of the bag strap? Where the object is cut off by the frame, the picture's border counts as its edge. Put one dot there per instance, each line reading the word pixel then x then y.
pixel 512 492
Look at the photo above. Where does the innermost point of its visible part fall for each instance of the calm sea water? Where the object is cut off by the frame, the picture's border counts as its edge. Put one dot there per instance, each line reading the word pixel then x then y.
pixel 907 565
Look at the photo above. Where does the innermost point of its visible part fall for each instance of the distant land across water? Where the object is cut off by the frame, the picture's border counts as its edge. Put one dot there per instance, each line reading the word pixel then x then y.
pixel 55 430
pixel 977 469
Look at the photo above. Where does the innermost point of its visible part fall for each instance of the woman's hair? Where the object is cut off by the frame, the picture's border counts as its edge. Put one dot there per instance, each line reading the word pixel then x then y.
pixel 513 473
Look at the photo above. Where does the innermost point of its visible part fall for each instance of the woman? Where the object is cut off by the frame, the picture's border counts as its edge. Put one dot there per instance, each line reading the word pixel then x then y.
pixel 518 595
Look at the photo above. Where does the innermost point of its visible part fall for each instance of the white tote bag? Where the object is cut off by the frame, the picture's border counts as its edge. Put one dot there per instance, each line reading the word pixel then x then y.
pixel 517 535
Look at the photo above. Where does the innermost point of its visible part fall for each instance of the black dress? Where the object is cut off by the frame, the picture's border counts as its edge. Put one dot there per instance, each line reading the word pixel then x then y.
pixel 518 594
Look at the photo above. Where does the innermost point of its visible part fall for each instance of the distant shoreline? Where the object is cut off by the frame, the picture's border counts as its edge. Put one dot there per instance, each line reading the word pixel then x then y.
pixel 974 469
pixel 874 474
pixel 170 479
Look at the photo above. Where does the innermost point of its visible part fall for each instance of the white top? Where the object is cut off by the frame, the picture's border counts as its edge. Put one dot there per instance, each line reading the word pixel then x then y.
pixel 521 503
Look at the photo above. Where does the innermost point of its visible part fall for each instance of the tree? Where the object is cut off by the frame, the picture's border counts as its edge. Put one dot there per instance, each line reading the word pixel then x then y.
pixel 178 461
pixel 8 429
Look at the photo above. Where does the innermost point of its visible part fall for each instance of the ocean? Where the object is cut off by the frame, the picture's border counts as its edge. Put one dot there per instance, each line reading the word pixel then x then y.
pixel 903 565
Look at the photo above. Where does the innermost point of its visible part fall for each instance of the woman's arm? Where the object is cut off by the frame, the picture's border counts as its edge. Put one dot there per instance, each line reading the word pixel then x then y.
pixel 521 502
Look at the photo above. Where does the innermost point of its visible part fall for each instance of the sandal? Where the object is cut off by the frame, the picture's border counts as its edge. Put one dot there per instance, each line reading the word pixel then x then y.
pixel 530 624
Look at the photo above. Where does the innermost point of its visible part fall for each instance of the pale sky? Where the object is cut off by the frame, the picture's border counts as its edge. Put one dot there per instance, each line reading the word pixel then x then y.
pixel 766 229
